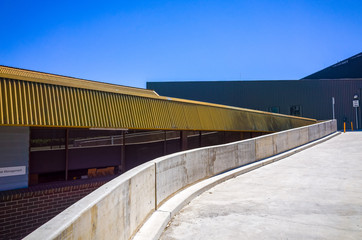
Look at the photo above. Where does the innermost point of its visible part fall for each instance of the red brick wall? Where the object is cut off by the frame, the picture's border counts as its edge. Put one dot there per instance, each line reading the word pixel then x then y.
pixel 24 210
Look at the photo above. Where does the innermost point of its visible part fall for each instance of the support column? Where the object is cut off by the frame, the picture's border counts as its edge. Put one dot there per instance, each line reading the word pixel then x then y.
pixel 165 143
pixel 200 139
pixel 123 152
pixel 242 137
pixel 183 140
pixel 66 153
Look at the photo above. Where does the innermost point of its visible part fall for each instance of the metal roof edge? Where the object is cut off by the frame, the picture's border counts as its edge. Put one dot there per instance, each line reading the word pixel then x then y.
pixel 52 79
pixel 48 78
pixel 232 108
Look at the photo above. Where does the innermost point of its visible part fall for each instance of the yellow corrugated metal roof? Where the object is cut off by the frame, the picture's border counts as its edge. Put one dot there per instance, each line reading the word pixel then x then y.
pixel 227 107
pixel 40 77
pixel 56 101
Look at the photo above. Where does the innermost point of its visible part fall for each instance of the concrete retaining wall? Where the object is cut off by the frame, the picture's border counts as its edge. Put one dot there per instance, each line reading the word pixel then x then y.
pixel 114 211
pixel 119 208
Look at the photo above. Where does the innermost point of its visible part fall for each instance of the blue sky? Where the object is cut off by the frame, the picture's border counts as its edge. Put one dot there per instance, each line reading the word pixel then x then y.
pixel 132 42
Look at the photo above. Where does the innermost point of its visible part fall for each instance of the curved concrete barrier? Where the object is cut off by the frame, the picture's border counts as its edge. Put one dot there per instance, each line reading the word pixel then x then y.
pixel 118 209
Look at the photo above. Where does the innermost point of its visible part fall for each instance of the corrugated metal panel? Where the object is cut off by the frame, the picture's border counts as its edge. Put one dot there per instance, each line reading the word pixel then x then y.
pixel 24 103
pixel 217 117
pixel 314 96
pixel 161 116
pixel 40 77
pixel 192 116
pixel 206 119
pixel 242 121
pixel 14 152
pixel 177 114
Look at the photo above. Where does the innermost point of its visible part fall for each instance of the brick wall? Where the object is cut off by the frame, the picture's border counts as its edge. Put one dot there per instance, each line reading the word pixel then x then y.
pixel 24 210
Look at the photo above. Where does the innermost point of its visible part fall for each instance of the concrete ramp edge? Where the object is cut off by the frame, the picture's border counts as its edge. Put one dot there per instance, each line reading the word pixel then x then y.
pixel 140 203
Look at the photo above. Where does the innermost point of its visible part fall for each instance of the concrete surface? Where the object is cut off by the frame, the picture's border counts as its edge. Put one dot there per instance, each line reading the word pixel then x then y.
pixel 180 170
pixel 155 225
pixel 118 209
pixel 264 146
pixel 114 211
pixel 313 194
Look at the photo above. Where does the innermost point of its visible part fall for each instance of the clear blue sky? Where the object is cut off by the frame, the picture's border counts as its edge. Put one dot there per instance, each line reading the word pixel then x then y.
pixel 132 42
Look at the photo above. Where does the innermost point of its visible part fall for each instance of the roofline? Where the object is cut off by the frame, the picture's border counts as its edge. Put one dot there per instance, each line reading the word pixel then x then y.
pixel 331 79
pixel 233 108
pixel 60 80
pixel 334 65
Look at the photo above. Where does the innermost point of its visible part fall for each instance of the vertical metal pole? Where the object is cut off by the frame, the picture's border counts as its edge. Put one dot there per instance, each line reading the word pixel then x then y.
pixel 66 153
pixel 356 119
pixel 333 103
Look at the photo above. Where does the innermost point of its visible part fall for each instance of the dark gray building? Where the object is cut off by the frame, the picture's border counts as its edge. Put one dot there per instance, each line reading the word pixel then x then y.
pixel 348 68
pixel 310 97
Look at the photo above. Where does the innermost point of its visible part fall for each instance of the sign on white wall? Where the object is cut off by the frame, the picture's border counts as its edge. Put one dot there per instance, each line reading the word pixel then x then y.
pixel 12 171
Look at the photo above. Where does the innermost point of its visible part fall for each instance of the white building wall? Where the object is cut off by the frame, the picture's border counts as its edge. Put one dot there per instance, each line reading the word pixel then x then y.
pixel 14 157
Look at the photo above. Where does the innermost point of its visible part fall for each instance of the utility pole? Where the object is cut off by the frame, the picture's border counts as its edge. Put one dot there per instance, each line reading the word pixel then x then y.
pixel 333 103
pixel 356 105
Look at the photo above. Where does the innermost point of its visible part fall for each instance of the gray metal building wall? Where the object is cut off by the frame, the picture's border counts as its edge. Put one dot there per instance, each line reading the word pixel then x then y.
pixel 14 152
pixel 314 96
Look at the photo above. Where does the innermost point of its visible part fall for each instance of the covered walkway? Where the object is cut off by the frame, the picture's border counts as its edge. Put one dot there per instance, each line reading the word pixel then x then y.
pixel 314 194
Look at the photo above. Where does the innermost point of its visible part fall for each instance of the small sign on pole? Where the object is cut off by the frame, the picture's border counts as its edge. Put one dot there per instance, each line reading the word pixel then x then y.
pixel 356 106
pixel 355 103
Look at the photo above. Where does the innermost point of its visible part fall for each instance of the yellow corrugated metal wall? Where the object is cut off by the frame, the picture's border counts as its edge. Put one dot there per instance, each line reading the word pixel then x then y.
pixel 25 103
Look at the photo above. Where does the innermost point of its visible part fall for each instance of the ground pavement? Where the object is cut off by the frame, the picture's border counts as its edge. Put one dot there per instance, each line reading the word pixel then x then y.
pixel 314 194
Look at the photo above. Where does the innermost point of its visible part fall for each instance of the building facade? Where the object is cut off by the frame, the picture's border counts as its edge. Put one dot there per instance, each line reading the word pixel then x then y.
pixel 62 137
pixel 310 97
pixel 304 98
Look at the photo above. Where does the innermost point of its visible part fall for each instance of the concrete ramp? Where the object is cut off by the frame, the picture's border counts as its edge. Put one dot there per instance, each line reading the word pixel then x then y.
pixel 126 206
pixel 313 194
